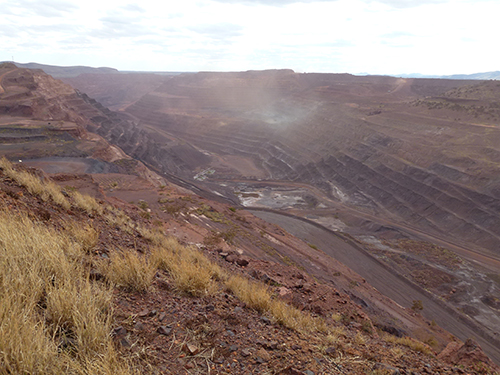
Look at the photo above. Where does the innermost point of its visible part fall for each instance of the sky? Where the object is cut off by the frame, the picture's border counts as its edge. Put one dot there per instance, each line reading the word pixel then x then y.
pixel 438 37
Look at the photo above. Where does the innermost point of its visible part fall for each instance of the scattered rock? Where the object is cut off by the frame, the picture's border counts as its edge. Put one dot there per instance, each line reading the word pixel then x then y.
pixel 290 371
pixel 245 353
pixel 265 319
pixel 125 343
pixel 283 291
pixel 143 313
pixel 243 261
pixel 162 317
pixel 190 349
pixel 164 330
pixel 263 354
pixel 271 345
pixel 468 354
pixel 386 368
pixel 139 326
pixel 232 258
pixel 119 331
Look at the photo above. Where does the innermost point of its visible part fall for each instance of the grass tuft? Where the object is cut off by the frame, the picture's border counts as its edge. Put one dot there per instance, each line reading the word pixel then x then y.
pixel 87 203
pixel 258 296
pixel 410 343
pixel 191 272
pixel 129 270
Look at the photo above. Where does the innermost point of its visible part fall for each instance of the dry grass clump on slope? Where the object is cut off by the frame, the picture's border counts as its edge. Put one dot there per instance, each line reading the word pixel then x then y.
pixel 45 190
pixel 191 272
pixel 259 297
pixel 410 343
pixel 49 190
pixel 194 274
pixel 53 320
pixel 129 270
pixel 87 203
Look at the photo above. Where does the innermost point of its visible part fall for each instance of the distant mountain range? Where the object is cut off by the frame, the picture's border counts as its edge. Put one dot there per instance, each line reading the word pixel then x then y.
pixel 476 76
pixel 74 71
pixel 66 71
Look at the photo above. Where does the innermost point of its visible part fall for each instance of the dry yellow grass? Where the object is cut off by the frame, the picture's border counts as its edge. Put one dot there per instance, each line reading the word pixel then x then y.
pixel 85 235
pixel 190 270
pixel 45 300
pixel 87 203
pixel 410 343
pixel 259 297
pixel 117 217
pixel 255 295
pixel 129 270
pixel 45 190
pixel 335 334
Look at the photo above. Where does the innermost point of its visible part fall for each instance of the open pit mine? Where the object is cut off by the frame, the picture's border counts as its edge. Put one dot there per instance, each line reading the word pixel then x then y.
pixel 396 179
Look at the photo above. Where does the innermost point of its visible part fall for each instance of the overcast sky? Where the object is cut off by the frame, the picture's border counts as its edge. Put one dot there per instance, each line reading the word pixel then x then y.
pixel 354 36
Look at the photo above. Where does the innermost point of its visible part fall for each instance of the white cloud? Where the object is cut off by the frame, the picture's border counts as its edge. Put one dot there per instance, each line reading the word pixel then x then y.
pixel 375 36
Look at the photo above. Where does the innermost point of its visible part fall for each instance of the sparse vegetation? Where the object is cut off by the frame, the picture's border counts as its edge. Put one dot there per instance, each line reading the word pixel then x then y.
pixel 87 203
pixel 84 235
pixel 47 299
pixel 417 305
pixel 259 297
pixel 312 246
pixel 410 343
pixel 129 270
pixel 45 190
pixel 212 214
pixel 190 270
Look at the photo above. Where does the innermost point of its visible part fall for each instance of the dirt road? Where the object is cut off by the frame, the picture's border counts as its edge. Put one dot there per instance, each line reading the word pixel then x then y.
pixel 386 281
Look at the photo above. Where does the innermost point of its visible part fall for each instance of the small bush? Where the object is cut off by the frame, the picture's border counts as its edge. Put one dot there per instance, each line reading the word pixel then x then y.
pixel 417 305
pixel 312 246
pixel 143 205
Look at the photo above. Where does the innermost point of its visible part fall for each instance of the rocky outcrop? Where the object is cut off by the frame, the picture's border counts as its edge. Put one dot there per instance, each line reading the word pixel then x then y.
pixel 467 354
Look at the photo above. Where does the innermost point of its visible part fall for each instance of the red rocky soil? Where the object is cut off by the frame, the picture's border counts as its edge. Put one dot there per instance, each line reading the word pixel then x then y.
pixel 165 332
